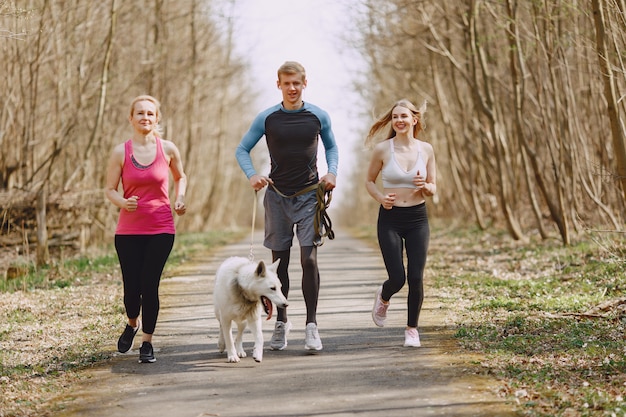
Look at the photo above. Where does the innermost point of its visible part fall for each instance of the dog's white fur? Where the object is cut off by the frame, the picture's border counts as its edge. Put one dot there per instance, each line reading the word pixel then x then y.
pixel 239 285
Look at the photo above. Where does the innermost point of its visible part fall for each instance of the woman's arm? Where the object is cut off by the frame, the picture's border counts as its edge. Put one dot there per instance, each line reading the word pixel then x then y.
pixel 113 177
pixel 180 178
pixel 430 188
pixel 376 165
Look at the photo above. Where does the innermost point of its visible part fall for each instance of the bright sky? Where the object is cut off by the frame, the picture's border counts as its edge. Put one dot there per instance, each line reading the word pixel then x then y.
pixel 312 32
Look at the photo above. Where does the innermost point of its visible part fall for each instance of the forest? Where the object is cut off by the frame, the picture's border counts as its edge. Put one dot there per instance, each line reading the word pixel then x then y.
pixel 526 109
pixel 526 106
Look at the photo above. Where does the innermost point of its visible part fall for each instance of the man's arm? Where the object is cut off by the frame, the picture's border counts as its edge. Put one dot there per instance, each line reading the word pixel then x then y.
pixel 331 151
pixel 330 147
pixel 249 140
pixel 328 140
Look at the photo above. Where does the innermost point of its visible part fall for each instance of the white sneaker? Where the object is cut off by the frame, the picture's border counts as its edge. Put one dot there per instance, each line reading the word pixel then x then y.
pixel 312 339
pixel 411 338
pixel 379 312
pixel 279 337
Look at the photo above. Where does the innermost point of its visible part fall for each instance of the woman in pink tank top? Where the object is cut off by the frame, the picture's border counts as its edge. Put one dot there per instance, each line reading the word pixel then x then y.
pixel 145 231
pixel 408 170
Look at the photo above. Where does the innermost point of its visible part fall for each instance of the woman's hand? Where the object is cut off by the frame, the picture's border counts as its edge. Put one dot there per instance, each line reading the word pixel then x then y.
pixel 131 203
pixel 419 181
pixel 179 206
pixel 388 201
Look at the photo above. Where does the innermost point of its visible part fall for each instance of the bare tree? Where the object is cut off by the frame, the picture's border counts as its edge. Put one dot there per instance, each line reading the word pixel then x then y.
pixel 67 87
pixel 518 109
pixel 610 82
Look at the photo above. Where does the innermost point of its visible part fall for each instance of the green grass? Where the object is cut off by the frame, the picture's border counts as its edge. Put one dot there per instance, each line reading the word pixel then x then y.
pixel 522 306
pixel 79 270
pixel 58 320
pixel 530 310
pixel 535 330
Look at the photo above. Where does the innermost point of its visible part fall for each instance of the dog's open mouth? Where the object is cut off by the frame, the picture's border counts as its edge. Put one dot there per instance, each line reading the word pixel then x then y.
pixel 267 306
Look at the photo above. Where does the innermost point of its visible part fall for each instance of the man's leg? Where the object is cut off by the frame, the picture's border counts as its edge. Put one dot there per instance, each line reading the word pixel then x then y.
pixel 310 291
pixel 282 326
pixel 310 281
pixel 283 276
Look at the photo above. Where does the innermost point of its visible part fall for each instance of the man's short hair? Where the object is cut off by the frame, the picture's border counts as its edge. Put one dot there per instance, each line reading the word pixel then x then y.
pixel 292 67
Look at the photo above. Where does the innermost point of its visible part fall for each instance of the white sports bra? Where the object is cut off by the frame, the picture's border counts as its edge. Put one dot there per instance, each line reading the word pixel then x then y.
pixel 394 176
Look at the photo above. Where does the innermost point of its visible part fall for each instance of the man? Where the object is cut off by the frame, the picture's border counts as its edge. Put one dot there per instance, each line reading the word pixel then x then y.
pixel 291 129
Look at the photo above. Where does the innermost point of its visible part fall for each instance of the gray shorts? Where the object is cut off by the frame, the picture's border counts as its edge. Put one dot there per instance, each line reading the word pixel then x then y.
pixel 282 214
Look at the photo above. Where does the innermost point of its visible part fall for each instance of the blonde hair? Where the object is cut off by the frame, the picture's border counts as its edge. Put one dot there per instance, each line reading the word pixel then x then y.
pixel 157 104
pixel 385 119
pixel 292 67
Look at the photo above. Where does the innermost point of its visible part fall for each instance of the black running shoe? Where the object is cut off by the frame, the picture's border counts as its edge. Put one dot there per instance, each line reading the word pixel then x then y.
pixel 146 353
pixel 125 342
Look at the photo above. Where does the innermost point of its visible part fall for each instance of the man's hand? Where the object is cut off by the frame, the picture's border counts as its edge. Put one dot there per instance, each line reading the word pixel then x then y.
pixel 258 182
pixel 330 181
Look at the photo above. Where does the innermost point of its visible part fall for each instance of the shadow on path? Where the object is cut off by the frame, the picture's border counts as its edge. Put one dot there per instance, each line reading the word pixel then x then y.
pixel 363 370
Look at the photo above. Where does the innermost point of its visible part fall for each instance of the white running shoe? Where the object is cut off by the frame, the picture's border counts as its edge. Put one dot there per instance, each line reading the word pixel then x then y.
pixel 411 338
pixel 312 339
pixel 279 337
pixel 379 312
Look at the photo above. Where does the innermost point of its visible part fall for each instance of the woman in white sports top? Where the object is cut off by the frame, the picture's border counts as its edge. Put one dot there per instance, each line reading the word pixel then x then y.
pixel 408 170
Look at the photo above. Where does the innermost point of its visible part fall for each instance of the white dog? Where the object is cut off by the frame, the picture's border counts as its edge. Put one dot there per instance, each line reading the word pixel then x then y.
pixel 241 288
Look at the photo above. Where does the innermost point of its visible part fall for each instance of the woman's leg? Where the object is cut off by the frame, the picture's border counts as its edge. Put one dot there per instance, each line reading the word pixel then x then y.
pixel 417 240
pixel 130 252
pixel 391 248
pixel 159 248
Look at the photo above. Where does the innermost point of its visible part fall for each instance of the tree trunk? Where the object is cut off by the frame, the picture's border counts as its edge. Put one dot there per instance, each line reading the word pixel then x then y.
pixel 617 131
pixel 490 109
pixel 43 254
pixel 518 76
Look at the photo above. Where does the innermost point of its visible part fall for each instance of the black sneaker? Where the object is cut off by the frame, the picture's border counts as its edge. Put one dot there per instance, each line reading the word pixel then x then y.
pixel 125 342
pixel 146 353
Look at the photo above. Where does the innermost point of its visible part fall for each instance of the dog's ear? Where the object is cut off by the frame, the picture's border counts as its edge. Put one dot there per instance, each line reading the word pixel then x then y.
pixel 260 269
pixel 274 267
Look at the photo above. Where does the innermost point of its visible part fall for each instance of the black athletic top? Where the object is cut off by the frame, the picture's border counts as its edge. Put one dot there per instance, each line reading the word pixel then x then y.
pixel 292 141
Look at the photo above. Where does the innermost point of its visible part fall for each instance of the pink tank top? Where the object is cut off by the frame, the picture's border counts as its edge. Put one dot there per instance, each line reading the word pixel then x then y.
pixel 151 183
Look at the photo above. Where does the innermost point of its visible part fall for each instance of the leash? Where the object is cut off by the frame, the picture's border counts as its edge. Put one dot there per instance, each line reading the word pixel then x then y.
pixel 302 191
pixel 251 255
pixel 321 222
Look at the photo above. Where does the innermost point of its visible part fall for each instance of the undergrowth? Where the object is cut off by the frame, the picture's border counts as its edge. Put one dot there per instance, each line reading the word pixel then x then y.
pixel 549 319
pixel 57 320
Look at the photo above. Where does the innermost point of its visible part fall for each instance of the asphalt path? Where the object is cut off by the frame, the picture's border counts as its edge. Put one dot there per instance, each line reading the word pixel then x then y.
pixel 362 371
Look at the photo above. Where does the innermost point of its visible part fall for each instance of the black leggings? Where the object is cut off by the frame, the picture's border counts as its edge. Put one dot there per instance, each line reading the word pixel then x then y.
pixel 398 227
pixel 310 280
pixel 142 259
